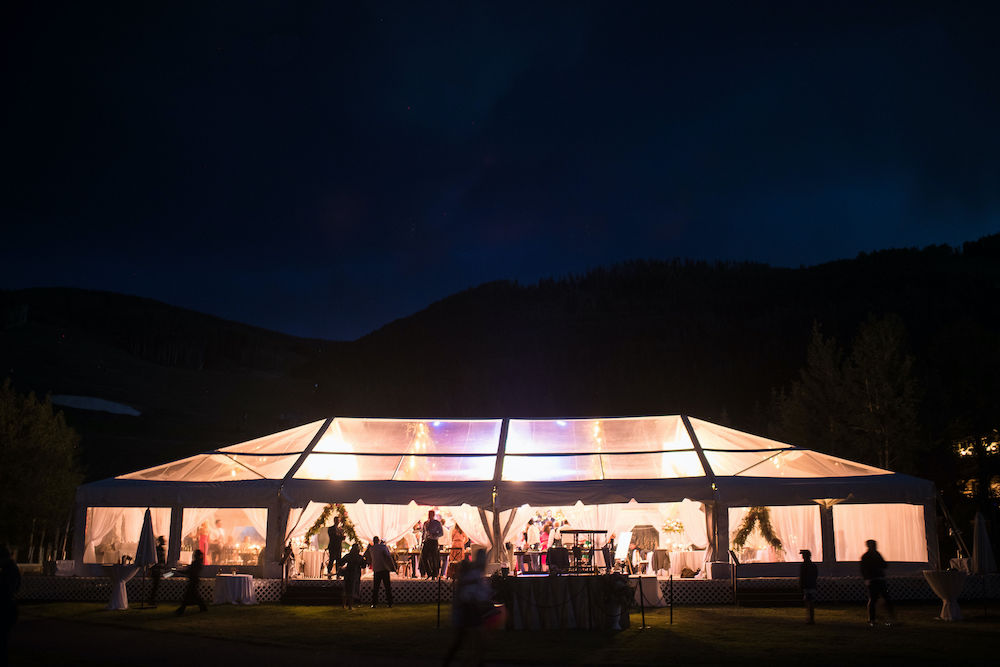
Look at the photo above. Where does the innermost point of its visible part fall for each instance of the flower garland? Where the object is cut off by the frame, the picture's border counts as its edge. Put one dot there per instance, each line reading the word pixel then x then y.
pixel 673 526
pixel 761 516
pixel 324 516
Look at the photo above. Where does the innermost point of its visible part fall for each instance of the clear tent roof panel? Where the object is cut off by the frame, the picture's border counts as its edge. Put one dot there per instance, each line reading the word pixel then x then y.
pixel 284 442
pixel 622 434
pixel 713 436
pixel 536 450
pixel 399 436
pixel 804 463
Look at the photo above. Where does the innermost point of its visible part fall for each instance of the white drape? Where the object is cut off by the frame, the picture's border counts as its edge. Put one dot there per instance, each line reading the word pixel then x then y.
pixel 100 522
pixel 194 516
pixel 898 529
pixel 513 531
pixel 257 516
pixel 125 523
pixel 471 522
pixel 388 522
pixel 797 526
pixel 692 515
pixel 301 519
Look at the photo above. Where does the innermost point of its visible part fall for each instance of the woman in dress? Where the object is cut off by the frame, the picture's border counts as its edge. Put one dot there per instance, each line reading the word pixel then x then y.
pixel 457 554
pixel 544 542
pixel 203 541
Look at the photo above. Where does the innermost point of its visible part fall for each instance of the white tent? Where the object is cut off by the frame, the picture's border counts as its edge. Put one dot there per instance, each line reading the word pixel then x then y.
pixel 490 468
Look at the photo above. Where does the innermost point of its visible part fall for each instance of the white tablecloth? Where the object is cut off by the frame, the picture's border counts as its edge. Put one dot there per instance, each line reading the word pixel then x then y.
pixel 313 563
pixel 947 584
pixel 120 575
pixel 693 560
pixel 234 589
pixel 649 590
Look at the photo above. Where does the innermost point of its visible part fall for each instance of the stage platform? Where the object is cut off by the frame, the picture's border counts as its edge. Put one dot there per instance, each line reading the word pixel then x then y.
pixel 412 591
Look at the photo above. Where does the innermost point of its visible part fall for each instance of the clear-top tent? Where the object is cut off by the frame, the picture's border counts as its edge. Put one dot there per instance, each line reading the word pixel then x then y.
pixel 499 465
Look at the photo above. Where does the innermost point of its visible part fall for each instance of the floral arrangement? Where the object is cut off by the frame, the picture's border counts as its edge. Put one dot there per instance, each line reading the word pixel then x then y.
pixel 673 526
pixel 761 516
pixel 345 522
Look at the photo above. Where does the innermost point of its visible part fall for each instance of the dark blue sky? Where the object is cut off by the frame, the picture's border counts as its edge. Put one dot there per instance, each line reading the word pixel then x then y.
pixel 323 168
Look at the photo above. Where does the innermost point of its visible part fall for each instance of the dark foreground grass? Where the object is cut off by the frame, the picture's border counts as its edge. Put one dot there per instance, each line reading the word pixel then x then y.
pixel 698 636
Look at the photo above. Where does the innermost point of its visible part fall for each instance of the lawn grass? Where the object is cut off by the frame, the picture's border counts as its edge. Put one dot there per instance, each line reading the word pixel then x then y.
pixel 698 636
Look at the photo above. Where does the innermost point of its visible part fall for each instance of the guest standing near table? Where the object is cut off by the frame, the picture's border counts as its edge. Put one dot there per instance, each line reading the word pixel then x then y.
pixel 350 565
pixel 533 536
pixel 457 555
pixel 156 572
pixel 191 594
pixel 430 558
pixel 380 559
pixel 543 543
pixel 873 572
pixel 336 534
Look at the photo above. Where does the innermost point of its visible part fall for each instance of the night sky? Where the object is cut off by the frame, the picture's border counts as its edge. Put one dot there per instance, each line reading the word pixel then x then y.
pixel 323 168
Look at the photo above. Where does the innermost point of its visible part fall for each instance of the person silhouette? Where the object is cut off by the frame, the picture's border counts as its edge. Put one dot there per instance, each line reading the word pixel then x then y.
pixel 808 575
pixel 191 594
pixel 873 572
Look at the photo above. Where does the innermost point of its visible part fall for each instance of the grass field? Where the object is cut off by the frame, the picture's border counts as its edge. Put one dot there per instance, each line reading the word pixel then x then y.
pixel 698 636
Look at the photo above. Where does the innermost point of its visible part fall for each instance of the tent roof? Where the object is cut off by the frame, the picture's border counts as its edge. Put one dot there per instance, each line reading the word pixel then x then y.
pixel 542 450
pixel 658 456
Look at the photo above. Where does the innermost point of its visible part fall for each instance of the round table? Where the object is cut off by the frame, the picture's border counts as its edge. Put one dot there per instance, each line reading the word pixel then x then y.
pixel 947 584
pixel 313 561
pixel 693 560
pixel 234 589
pixel 120 575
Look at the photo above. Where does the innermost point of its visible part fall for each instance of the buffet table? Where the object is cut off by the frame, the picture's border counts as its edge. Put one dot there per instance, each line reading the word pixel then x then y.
pixel 234 589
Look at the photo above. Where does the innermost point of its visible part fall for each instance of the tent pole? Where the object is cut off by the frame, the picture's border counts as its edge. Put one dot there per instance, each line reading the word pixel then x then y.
pixel 498 546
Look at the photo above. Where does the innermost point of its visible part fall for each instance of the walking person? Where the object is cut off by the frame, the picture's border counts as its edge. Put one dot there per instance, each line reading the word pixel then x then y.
pixel 470 606
pixel 873 572
pixel 350 565
pixel 380 559
pixel 191 594
pixel 808 576
pixel 430 557
pixel 156 572
pixel 336 535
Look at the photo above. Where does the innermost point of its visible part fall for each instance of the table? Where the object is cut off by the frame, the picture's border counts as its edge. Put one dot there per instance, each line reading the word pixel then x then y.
pixel 693 560
pixel 120 575
pixel 947 584
pixel 649 588
pixel 583 558
pixel 313 562
pixel 233 589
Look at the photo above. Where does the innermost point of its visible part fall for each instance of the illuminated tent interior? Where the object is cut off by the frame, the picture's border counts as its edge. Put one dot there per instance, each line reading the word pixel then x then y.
pixel 692 481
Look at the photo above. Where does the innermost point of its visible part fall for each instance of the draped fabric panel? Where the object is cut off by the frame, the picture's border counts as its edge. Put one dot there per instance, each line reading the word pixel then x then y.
pixel 388 522
pixel 100 522
pixel 797 526
pixel 193 516
pixel 898 528
pixel 257 516
pixel 124 524
pixel 301 519
pixel 472 524
pixel 692 515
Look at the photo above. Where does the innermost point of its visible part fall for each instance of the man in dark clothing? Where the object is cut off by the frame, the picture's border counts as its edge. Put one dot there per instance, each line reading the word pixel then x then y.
pixel 873 572
pixel 191 594
pixel 808 576
pixel 381 561
pixel 350 565
pixel 430 558
pixel 156 572
pixel 336 535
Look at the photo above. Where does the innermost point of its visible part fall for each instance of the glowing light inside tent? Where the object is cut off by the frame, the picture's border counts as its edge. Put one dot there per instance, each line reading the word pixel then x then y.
pixel 561 423
pixel 331 466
